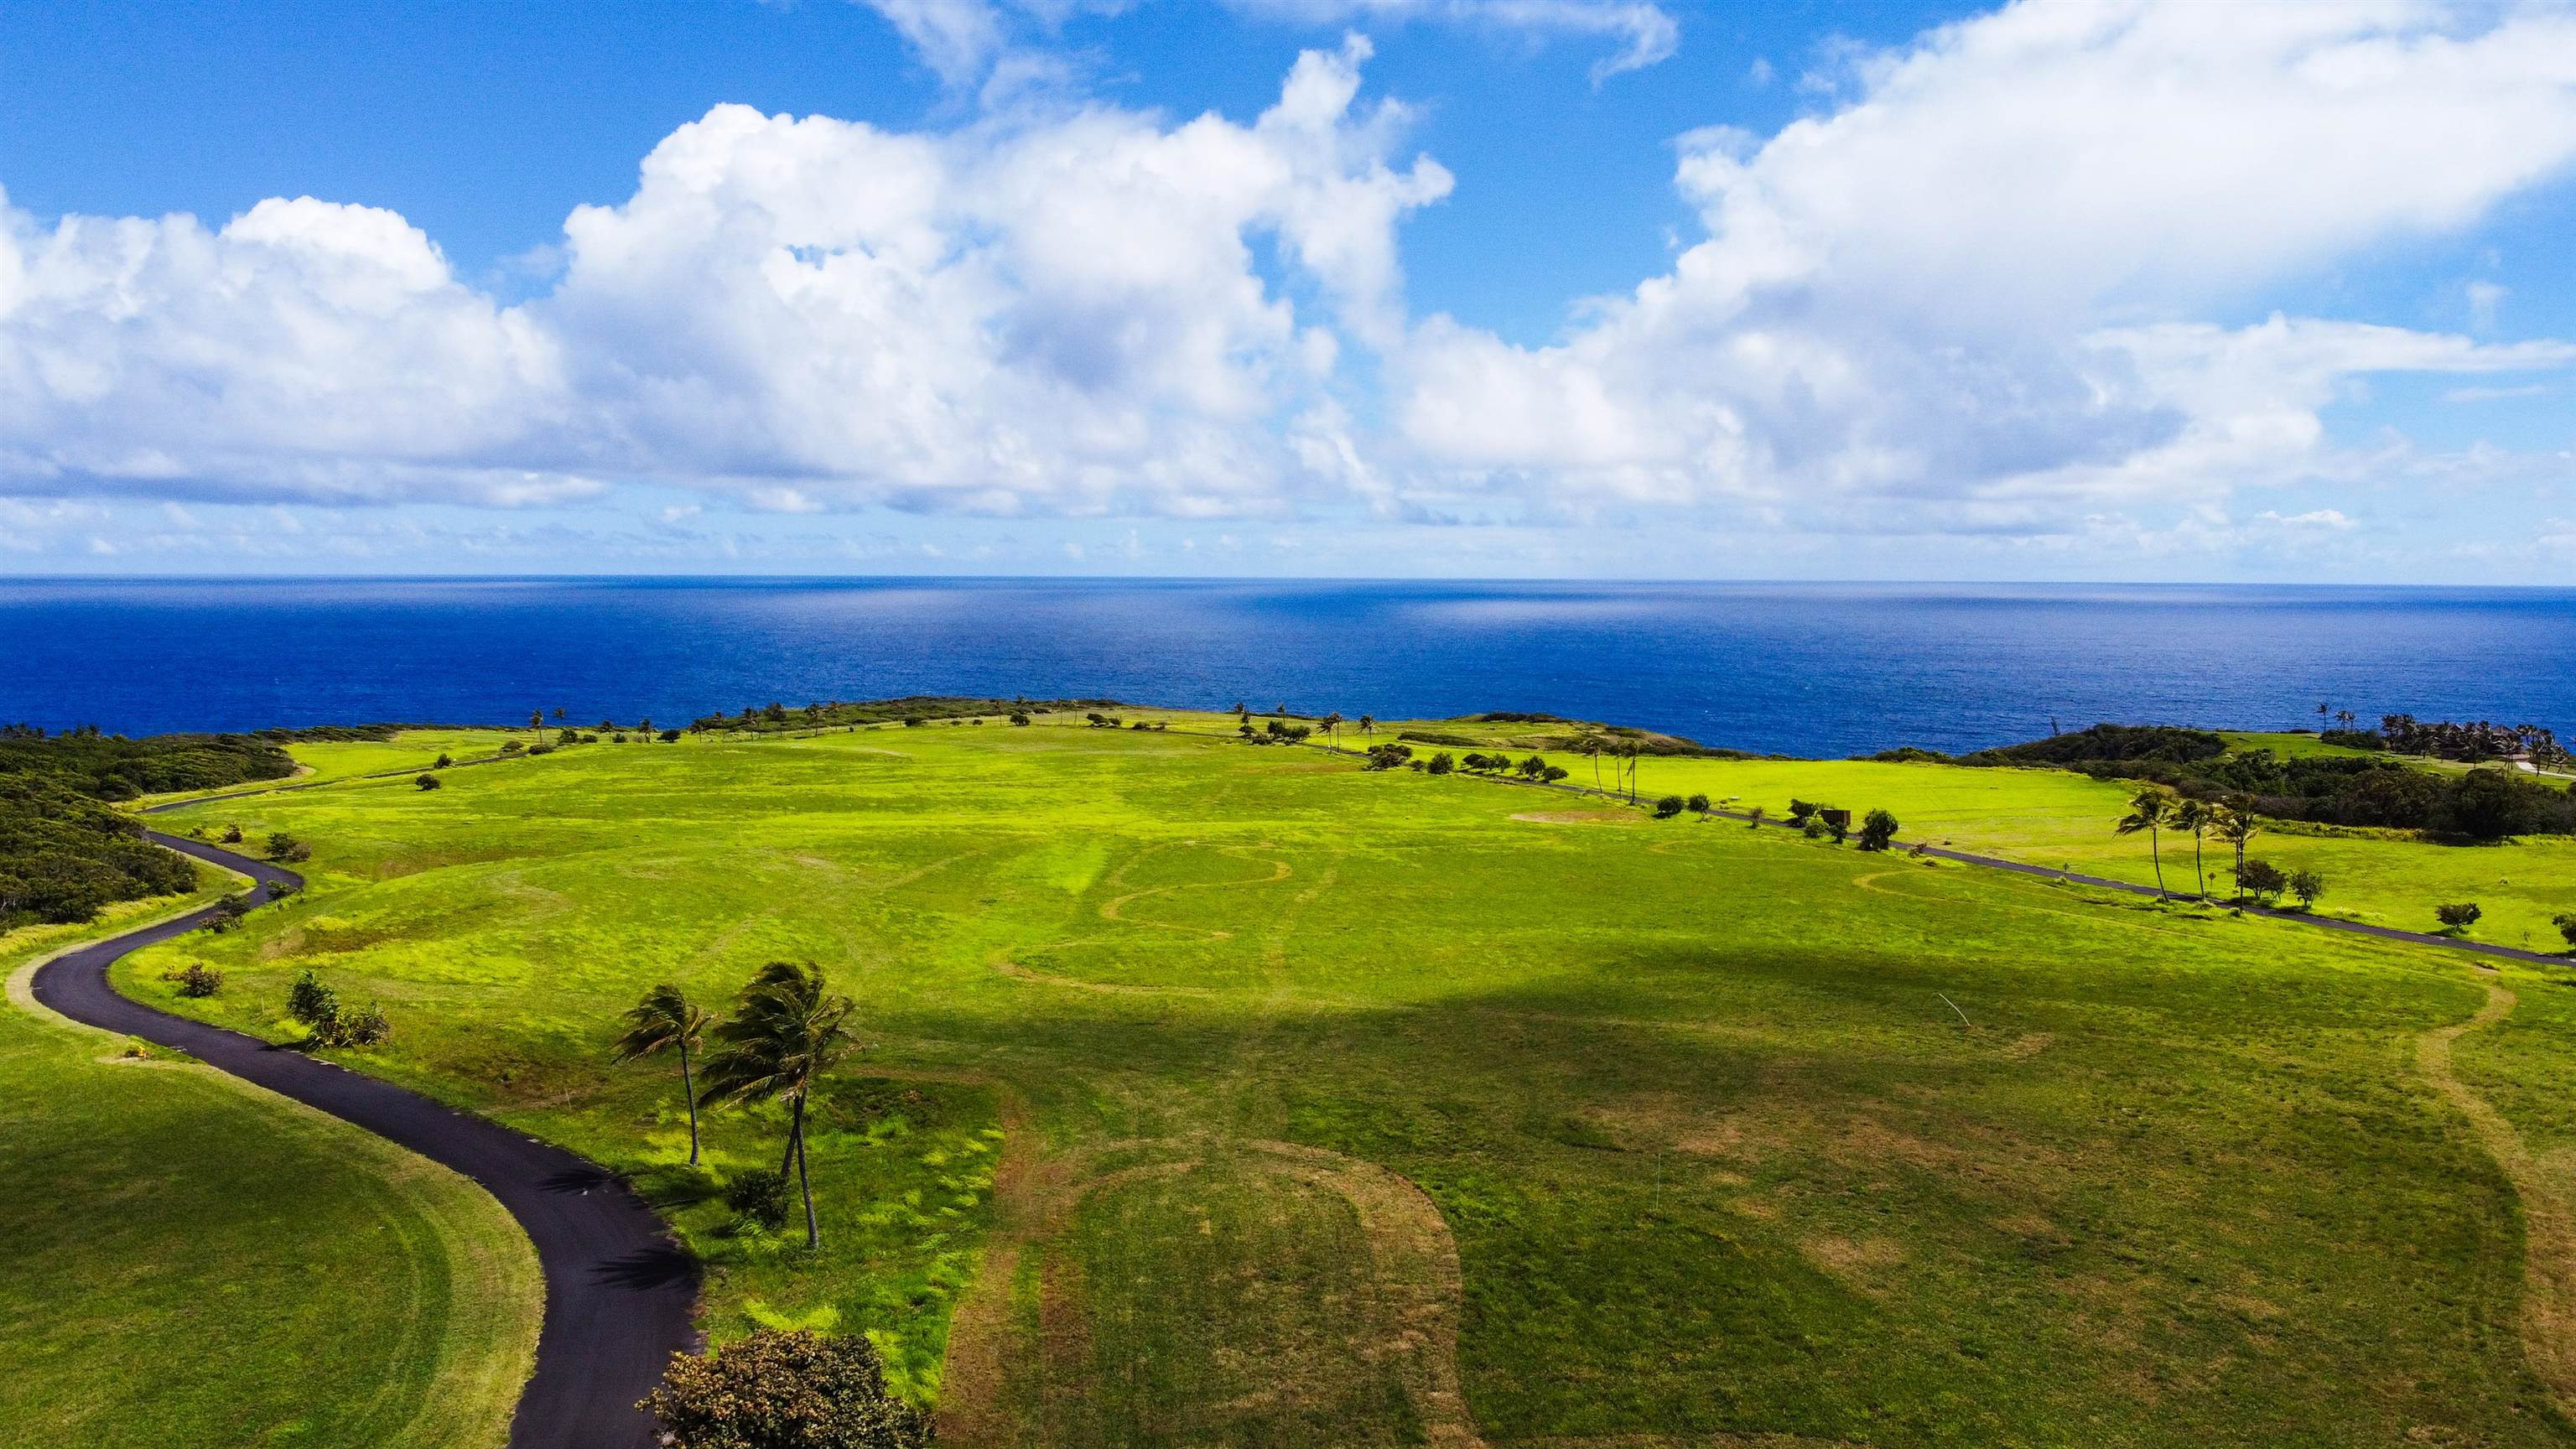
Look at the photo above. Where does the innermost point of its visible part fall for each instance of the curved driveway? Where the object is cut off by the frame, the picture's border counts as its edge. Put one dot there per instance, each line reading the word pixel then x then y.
pixel 619 1293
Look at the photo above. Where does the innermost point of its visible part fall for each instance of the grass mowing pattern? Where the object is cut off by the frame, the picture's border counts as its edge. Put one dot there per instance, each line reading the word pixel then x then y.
pixel 1715 1155
pixel 193 1261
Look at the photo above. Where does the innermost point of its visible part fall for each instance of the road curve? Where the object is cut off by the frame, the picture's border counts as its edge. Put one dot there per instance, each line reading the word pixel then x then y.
pixel 619 1293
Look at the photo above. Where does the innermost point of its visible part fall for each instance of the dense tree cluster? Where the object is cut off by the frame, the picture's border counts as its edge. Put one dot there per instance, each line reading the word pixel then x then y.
pixel 2488 803
pixel 112 767
pixel 64 856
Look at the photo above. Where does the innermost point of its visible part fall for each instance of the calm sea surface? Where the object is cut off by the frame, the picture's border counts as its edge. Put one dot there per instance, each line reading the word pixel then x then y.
pixel 1811 669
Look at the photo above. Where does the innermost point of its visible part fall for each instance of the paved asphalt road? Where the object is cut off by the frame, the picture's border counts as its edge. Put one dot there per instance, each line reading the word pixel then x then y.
pixel 618 1293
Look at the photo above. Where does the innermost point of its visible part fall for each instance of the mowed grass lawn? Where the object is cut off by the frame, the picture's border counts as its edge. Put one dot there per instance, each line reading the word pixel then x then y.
pixel 194 1262
pixel 1220 1095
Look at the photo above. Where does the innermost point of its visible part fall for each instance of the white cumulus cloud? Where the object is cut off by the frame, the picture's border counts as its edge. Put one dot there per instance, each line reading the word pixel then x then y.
pixel 1974 277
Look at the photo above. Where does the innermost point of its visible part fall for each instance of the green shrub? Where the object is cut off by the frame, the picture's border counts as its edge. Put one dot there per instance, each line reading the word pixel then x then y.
pixel 311 1002
pixel 1668 807
pixel 760 1195
pixel 2263 878
pixel 1442 763
pixel 228 913
pixel 784 1390
pixel 2307 885
pixel 427 782
pixel 1698 804
pixel 198 980
pixel 2459 915
pixel 1878 830
pixel 2566 925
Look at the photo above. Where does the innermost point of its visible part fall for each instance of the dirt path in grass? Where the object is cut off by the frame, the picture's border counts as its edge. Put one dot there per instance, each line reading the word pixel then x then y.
pixel 2548 1219
pixel 619 1294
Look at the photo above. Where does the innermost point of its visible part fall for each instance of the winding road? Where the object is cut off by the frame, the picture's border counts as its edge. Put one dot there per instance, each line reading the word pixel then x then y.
pixel 619 1292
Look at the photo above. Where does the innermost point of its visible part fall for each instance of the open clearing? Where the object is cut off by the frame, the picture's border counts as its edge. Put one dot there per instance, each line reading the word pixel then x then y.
pixel 1214 1092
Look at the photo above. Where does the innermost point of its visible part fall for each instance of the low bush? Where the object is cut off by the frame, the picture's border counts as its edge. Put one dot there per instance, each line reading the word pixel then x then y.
pixel 759 1195
pixel 1668 807
pixel 791 1389
pixel 427 782
pixel 311 1002
pixel 228 913
pixel 198 980
pixel 2262 878
pixel 2459 915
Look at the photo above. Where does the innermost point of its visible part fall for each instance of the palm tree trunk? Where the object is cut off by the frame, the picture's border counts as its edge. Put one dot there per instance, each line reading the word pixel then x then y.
pixel 813 1234
pixel 2156 852
pixel 688 1089
pixel 795 1130
pixel 2199 872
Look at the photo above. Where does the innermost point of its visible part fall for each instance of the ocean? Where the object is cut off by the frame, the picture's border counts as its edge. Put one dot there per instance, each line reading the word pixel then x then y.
pixel 1804 669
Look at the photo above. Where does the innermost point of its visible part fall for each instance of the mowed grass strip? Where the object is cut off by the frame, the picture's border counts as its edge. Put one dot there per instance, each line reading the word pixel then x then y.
pixel 1714 1151
pixel 195 1261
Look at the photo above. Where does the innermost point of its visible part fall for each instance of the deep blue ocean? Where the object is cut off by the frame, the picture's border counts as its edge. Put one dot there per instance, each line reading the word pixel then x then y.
pixel 1810 669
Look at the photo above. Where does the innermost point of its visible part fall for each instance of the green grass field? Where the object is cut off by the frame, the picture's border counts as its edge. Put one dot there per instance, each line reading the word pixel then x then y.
pixel 2063 819
pixel 194 1261
pixel 411 750
pixel 1220 1095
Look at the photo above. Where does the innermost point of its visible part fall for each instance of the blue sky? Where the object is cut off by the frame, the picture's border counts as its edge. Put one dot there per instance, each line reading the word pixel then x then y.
pixel 1304 287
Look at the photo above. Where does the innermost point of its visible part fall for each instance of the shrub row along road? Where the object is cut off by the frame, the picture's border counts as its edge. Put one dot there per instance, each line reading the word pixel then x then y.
pixel 619 1294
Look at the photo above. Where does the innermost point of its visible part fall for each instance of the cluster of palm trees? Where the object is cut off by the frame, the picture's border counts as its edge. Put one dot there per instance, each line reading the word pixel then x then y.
pixel 1330 724
pixel 786 1032
pixel 2153 811
pixel 1622 755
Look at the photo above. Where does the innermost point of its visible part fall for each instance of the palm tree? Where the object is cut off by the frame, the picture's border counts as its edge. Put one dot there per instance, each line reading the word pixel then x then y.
pixel 2196 816
pixel 665 1019
pixel 1368 725
pixel 1591 745
pixel 1332 724
pixel 2237 826
pixel 784 1035
pixel 2149 810
pixel 1628 753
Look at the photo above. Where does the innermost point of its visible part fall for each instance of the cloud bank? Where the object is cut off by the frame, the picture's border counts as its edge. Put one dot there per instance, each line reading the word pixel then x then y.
pixel 2008 281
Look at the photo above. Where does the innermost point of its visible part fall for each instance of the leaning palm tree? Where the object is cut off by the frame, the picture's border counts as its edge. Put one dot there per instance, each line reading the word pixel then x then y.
pixel 663 1020
pixel 786 1032
pixel 2149 811
pixel 2196 816
pixel 2237 826
pixel 1368 725
pixel 1332 724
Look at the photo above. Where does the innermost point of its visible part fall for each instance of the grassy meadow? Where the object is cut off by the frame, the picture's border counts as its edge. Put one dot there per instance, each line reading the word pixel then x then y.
pixel 2063 819
pixel 195 1261
pixel 1219 1095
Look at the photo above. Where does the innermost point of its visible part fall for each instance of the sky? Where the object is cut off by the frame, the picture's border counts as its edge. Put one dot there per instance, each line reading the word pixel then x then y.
pixel 2096 290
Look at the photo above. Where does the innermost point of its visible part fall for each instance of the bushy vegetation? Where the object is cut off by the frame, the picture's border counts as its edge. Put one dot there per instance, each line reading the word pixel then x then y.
pixel 785 1390
pixel 112 767
pixel 64 856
